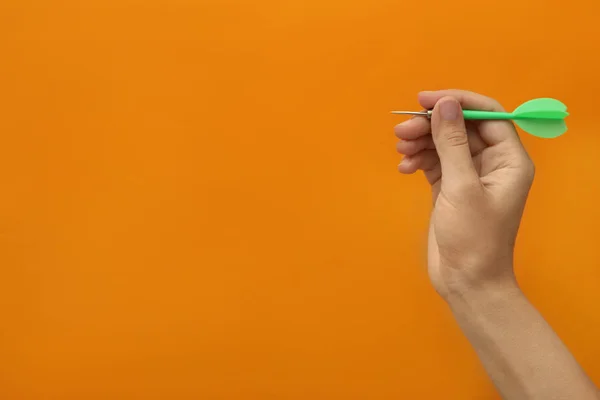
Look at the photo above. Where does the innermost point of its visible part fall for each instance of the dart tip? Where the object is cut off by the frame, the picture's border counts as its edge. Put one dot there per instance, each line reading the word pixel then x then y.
pixel 425 114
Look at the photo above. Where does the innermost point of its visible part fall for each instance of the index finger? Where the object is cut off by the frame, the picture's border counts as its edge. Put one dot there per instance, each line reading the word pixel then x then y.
pixel 468 100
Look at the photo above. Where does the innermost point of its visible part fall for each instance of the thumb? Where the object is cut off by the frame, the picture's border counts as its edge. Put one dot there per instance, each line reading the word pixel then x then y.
pixel 451 141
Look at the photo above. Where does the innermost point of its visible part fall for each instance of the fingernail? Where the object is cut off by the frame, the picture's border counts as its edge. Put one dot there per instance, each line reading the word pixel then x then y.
pixel 449 110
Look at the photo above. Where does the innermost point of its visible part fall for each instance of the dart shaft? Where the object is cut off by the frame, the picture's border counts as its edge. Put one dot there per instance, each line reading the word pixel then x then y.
pixel 476 114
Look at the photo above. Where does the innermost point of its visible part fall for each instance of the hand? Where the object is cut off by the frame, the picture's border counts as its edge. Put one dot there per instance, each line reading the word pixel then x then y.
pixel 480 175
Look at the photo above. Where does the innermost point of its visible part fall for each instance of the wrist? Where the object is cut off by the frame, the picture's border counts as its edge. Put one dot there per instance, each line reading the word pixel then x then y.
pixel 479 278
pixel 483 292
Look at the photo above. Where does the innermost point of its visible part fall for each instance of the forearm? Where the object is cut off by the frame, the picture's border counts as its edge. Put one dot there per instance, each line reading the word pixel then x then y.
pixel 525 359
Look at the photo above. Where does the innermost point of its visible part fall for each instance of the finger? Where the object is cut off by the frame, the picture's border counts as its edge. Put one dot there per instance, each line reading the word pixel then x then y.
pixel 492 132
pixel 413 128
pixel 468 100
pixel 451 141
pixel 425 160
pixel 411 147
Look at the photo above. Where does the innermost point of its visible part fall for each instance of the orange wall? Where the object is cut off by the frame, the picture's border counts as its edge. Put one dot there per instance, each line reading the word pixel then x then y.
pixel 200 197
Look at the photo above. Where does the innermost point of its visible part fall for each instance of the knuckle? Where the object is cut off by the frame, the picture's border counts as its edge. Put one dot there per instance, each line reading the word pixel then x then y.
pixel 456 137
pixel 496 106
pixel 486 103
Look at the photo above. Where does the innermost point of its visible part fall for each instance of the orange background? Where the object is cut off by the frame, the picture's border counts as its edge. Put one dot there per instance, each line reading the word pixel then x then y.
pixel 200 197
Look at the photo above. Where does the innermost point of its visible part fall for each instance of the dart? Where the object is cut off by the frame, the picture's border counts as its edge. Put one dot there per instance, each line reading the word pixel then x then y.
pixel 543 117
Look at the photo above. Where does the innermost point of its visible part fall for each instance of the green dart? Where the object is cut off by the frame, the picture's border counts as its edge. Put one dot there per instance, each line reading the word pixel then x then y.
pixel 543 118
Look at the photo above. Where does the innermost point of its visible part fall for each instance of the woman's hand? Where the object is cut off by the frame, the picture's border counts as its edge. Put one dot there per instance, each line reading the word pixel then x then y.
pixel 480 175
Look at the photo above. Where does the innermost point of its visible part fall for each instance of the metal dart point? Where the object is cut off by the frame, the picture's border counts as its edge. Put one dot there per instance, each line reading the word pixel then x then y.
pixel 421 113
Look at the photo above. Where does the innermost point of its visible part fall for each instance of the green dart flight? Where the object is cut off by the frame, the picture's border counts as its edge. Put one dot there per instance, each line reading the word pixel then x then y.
pixel 543 117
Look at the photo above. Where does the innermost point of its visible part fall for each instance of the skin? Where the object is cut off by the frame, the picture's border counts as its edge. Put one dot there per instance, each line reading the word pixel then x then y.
pixel 480 176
